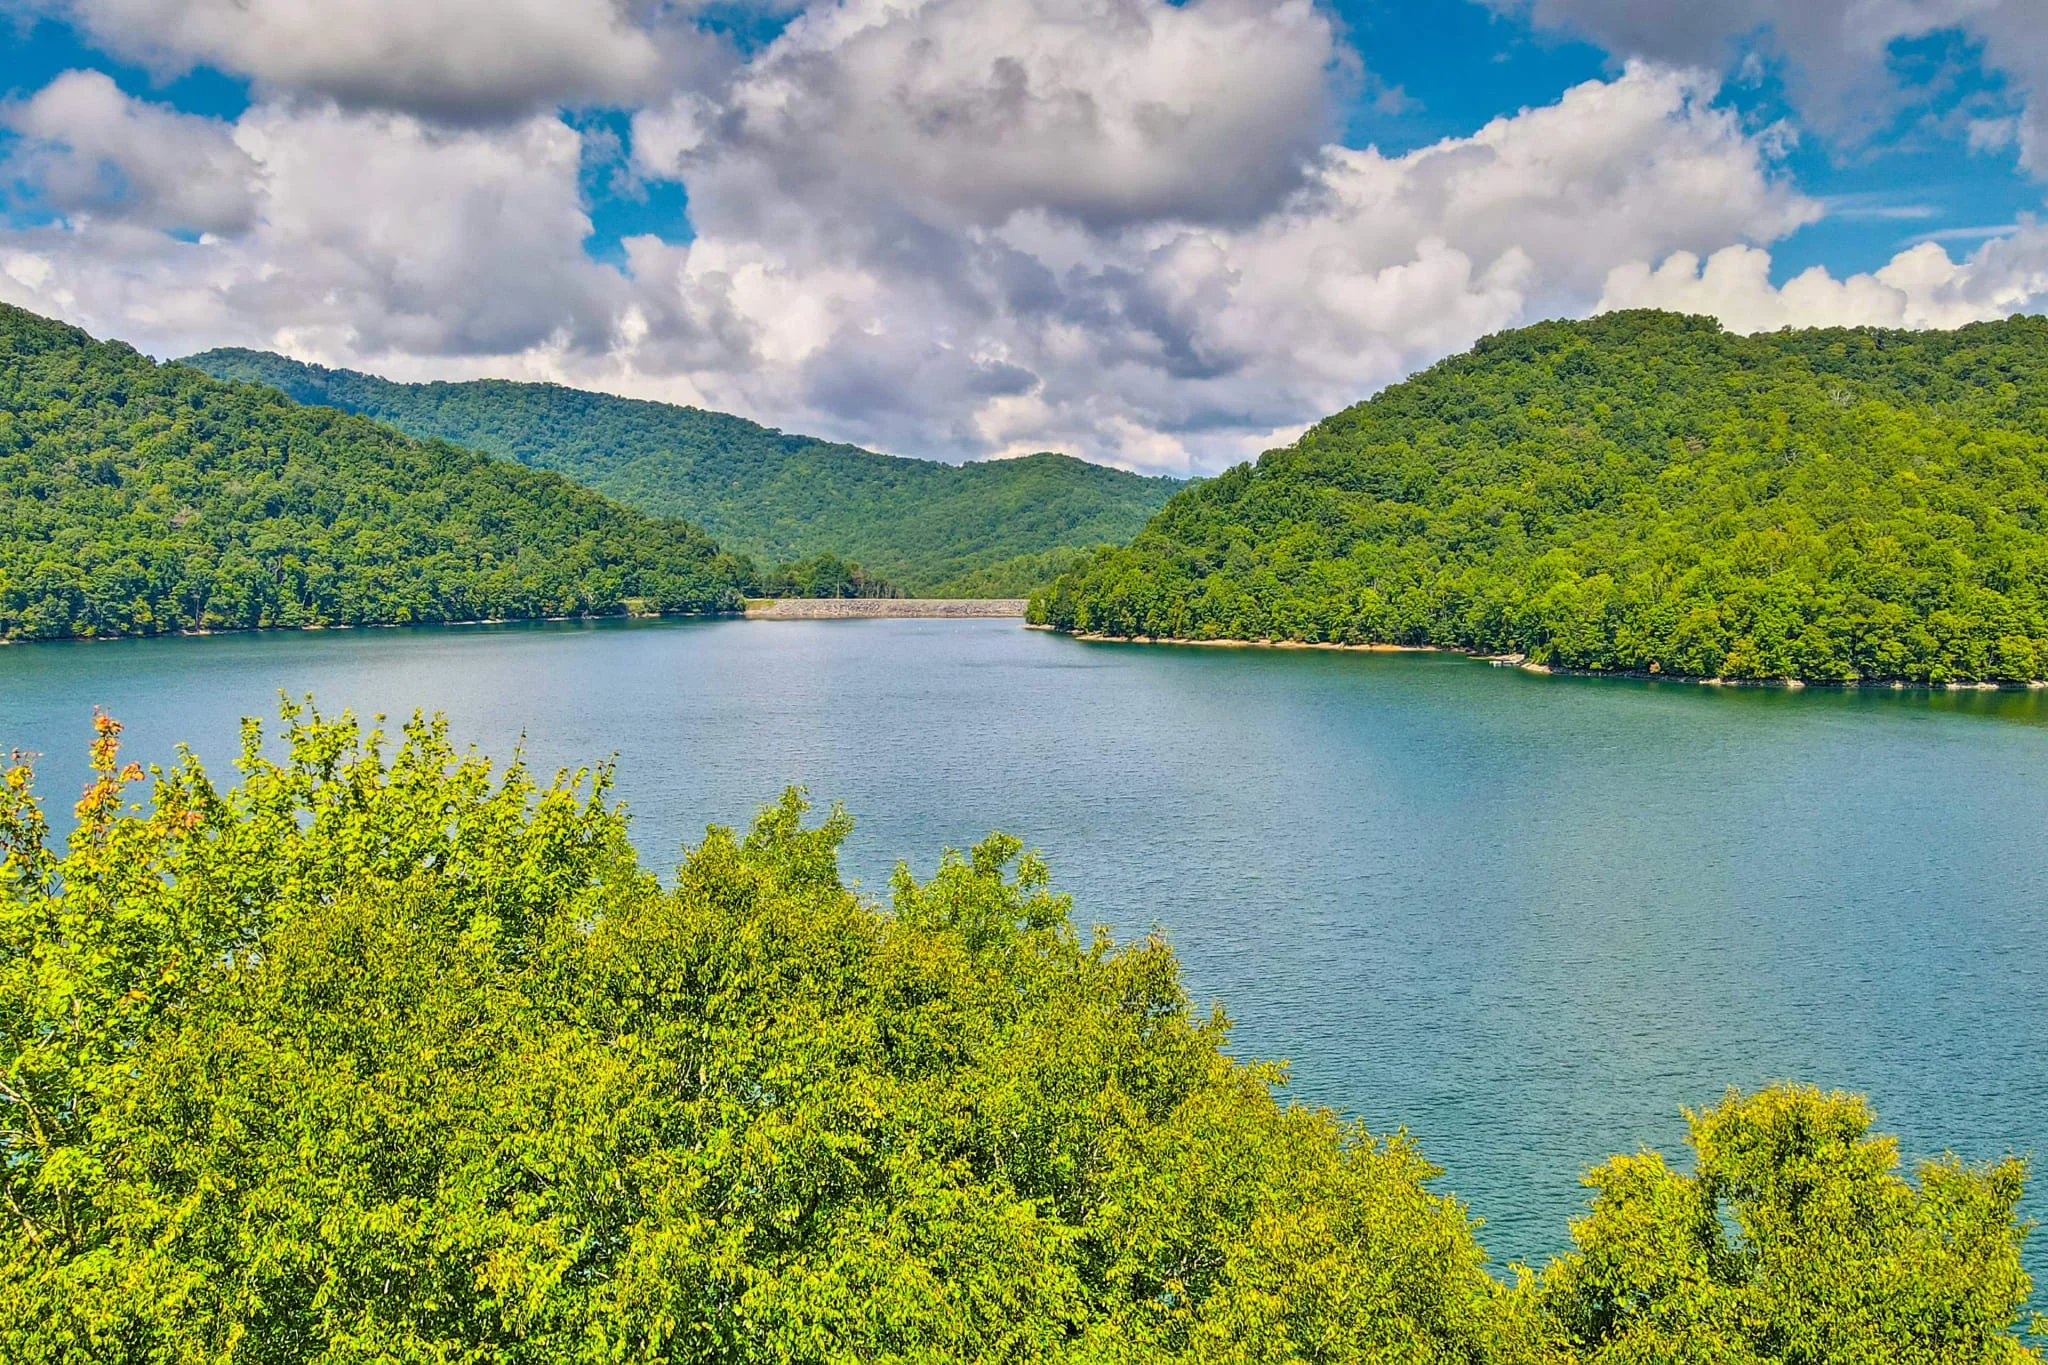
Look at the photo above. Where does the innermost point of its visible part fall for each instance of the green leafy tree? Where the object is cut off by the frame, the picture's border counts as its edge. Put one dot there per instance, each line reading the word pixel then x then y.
pixel 384 1055
pixel 377 1056
pixel 1795 1239
pixel 824 575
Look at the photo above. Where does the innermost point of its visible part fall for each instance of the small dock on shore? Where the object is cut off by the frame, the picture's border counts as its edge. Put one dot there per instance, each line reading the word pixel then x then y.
pixel 874 608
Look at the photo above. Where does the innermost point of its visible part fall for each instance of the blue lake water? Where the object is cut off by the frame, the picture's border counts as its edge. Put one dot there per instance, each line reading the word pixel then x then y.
pixel 1526 917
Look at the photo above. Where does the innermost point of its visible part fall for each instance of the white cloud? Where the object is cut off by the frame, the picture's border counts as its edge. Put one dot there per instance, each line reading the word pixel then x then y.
pixel 462 60
pixel 1840 50
pixel 916 330
pixel 363 234
pixel 967 111
pixel 1992 134
pixel 91 150
pixel 2015 38
pixel 1921 287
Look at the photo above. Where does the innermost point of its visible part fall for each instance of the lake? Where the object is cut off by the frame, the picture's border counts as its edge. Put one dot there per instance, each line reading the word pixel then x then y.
pixel 1527 917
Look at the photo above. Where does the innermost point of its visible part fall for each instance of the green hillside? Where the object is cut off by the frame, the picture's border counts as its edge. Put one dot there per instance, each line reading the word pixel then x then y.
pixel 934 528
pixel 1639 492
pixel 137 498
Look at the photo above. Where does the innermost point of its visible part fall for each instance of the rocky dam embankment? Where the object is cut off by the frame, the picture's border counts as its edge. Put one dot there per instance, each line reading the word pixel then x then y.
pixel 836 608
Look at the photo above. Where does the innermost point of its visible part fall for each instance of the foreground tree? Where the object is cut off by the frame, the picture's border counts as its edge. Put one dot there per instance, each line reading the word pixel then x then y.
pixel 381 1056
pixel 1795 1239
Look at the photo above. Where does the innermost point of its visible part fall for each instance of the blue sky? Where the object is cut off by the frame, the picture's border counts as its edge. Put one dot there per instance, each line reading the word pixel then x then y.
pixel 820 217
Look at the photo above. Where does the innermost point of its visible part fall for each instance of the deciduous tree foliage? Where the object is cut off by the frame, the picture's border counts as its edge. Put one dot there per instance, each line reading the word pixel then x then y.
pixel 990 529
pixel 823 576
pixel 383 1056
pixel 137 499
pixel 1643 492
pixel 1793 1239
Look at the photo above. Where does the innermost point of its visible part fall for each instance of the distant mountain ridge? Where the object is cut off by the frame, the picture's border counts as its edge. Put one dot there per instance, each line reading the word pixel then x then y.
pixel 141 499
pixel 994 528
pixel 1640 492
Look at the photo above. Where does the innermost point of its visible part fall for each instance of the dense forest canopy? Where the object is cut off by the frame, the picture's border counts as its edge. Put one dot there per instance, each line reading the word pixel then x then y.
pixel 385 1057
pixel 1642 492
pixel 984 529
pixel 137 498
pixel 823 576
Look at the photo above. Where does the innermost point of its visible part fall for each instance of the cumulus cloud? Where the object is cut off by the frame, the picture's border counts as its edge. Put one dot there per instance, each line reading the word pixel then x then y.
pixel 968 111
pixel 1920 287
pixel 1176 341
pixel 359 234
pixel 1839 50
pixel 462 60
pixel 89 149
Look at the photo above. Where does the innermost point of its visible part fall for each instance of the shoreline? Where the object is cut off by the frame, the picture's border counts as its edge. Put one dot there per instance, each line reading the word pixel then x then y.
pixel 756 609
pixel 989 608
pixel 1266 644
pixel 1521 664
pixel 375 625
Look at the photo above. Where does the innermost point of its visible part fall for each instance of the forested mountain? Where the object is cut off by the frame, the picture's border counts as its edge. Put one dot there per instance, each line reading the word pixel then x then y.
pixel 1641 491
pixel 137 498
pixel 936 529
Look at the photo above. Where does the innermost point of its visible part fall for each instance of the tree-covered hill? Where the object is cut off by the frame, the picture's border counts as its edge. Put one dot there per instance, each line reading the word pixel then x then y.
pixel 137 499
pixel 1641 491
pixel 986 528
